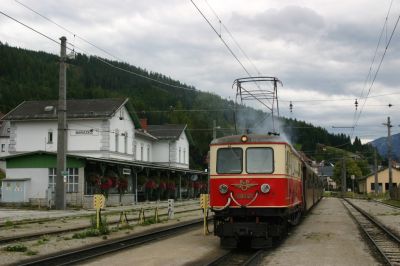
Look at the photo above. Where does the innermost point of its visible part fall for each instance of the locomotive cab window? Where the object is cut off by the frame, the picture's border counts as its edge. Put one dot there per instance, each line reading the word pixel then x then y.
pixel 229 161
pixel 260 160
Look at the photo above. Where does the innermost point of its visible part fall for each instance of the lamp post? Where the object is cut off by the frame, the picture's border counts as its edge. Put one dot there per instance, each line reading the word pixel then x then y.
pixel 352 180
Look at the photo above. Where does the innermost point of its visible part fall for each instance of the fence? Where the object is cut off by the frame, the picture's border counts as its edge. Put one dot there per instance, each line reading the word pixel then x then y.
pixel 395 193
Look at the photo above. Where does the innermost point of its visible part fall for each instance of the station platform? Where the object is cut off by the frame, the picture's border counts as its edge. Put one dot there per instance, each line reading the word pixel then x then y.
pixel 327 236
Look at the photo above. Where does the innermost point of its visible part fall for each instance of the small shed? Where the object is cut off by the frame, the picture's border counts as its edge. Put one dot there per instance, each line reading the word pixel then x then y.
pixel 15 190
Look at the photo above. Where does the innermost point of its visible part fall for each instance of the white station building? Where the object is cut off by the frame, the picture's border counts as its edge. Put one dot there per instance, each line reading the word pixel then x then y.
pixel 102 143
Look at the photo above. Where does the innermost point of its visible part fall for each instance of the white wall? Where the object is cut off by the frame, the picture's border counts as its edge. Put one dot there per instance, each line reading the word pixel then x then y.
pixel 32 136
pixel 161 151
pixel 167 152
pixel 120 127
pixel 95 137
pixel 141 142
pixel 182 145
pixel 84 135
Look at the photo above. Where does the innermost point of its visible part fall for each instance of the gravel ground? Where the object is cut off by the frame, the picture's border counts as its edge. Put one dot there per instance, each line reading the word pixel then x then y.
pixel 51 244
pixel 69 222
pixel 191 248
pixel 327 236
pixel 389 216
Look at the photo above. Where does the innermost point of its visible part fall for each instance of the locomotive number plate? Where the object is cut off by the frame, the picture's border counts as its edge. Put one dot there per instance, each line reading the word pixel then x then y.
pixel 244 196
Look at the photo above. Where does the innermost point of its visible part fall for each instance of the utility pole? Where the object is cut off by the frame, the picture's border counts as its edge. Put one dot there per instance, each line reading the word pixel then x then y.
pixel 376 174
pixel 215 127
pixel 60 200
pixel 389 152
pixel 344 177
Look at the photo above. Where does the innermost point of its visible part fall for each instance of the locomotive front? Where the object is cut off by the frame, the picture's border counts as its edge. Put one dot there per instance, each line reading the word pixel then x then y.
pixel 253 188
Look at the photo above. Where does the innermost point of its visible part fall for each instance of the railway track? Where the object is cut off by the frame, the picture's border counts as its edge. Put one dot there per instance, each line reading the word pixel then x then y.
pixel 38 235
pixel 238 258
pixel 97 250
pixel 385 242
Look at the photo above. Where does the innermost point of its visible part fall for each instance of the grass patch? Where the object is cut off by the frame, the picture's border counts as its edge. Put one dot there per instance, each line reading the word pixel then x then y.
pixel 16 248
pixel 8 223
pixel 43 240
pixel 149 221
pixel 392 202
pixel 32 252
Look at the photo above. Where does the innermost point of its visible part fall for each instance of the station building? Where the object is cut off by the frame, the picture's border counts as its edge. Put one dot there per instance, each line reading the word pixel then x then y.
pixel 105 153
pixel 367 184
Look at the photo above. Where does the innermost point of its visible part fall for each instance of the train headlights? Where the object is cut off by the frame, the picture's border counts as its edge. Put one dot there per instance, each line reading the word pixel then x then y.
pixel 223 189
pixel 265 188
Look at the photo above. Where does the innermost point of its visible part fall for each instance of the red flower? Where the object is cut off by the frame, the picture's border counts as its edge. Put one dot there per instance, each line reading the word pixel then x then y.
pixel 163 186
pixel 122 184
pixel 171 186
pixel 151 184
pixel 197 185
pixel 106 183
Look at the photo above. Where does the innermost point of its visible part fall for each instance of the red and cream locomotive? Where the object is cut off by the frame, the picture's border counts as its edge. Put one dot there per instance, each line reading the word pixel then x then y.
pixel 258 185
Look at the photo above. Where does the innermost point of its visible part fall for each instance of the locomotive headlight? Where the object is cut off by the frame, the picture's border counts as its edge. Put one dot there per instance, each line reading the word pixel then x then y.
pixel 265 188
pixel 223 189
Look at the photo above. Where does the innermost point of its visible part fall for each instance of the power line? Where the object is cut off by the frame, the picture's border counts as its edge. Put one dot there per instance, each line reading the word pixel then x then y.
pixel 67 30
pixel 379 65
pixel 90 43
pixel 23 24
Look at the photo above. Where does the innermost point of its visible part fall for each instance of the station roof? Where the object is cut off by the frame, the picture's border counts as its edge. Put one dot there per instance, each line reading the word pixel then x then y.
pixel 127 163
pixel 166 132
pixel 83 108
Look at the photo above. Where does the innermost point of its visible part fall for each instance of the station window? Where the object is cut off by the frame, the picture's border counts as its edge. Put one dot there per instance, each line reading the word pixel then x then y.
pixel 3 147
pixel 134 150
pixel 379 187
pixel 72 179
pixel 52 178
pixel 50 137
pixel 260 160
pixel 116 141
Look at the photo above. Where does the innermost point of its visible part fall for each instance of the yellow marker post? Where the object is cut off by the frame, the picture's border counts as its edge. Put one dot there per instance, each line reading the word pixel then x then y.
pixel 204 203
pixel 98 203
pixel 156 214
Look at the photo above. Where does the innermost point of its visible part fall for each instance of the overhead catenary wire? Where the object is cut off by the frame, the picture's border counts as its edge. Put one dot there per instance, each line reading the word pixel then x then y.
pixel 230 50
pixel 233 38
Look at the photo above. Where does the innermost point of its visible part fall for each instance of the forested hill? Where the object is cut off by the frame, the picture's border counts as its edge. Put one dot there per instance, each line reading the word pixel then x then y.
pixel 30 75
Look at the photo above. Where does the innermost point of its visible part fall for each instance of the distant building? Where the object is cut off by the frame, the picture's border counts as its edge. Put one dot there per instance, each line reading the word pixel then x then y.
pixel 325 171
pixel 367 183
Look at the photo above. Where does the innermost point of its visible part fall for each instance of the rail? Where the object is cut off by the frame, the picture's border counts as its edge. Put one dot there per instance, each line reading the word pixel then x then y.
pixel 385 242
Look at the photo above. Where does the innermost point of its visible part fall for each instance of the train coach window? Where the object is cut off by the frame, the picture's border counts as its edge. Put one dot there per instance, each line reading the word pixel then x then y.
pixel 229 160
pixel 260 160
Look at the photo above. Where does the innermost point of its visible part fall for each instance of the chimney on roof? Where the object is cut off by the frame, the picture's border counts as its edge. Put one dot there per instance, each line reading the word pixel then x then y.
pixel 143 123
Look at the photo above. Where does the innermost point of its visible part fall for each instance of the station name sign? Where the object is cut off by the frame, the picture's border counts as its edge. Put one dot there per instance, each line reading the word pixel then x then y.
pixel 85 132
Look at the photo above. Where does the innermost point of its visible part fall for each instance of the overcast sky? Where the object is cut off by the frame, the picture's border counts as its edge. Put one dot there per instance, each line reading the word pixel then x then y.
pixel 321 50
